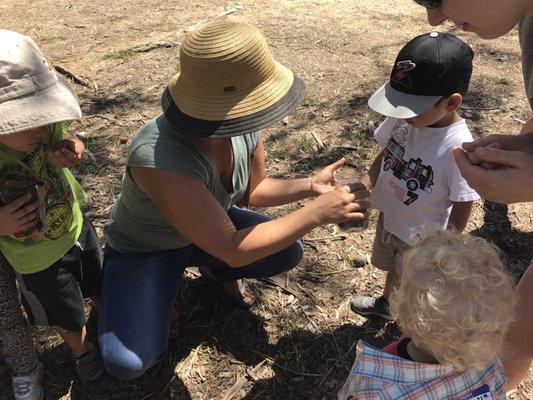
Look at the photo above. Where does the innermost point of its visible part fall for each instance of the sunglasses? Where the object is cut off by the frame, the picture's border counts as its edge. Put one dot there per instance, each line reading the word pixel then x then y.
pixel 430 4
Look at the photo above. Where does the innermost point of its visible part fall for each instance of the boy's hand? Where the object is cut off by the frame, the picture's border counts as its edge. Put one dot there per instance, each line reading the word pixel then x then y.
pixel 324 181
pixel 18 216
pixel 66 153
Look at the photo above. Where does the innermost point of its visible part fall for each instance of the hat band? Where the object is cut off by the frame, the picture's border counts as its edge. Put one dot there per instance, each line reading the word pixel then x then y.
pixel 29 85
pixel 254 122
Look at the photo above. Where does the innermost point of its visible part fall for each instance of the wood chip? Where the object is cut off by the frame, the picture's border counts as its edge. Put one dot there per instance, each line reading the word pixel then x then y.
pixel 243 381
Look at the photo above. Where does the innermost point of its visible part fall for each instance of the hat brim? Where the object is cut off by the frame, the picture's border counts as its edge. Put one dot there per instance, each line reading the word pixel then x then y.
pixel 236 126
pixel 393 103
pixel 54 104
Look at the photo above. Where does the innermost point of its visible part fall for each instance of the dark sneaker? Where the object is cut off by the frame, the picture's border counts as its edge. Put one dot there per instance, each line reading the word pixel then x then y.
pixel 28 387
pixel 91 372
pixel 365 305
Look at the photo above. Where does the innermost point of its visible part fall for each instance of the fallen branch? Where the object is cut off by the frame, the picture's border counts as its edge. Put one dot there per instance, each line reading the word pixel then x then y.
pixel 80 80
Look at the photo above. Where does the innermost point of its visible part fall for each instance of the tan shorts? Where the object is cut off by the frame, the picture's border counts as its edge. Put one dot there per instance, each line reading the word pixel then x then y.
pixel 387 249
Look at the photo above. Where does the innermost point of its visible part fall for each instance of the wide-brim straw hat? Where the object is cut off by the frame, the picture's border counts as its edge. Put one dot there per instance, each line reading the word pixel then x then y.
pixel 229 82
pixel 32 94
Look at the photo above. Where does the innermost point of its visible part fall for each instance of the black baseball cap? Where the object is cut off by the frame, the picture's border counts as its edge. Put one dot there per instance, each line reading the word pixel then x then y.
pixel 428 68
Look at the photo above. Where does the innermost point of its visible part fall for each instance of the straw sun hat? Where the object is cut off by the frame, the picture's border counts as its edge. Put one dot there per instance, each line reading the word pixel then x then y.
pixel 32 94
pixel 229 82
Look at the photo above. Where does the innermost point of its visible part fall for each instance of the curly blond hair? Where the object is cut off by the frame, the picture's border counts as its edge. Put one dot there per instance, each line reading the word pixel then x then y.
pixel 454 299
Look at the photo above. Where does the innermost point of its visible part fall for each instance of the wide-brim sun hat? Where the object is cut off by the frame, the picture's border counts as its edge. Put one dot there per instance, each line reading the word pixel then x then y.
pixel 32 94
pixel 229 82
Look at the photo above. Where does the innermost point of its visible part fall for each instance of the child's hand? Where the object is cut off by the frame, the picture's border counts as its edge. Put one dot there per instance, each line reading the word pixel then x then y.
pixel 324 181
pixel 66 153
pixel 18 216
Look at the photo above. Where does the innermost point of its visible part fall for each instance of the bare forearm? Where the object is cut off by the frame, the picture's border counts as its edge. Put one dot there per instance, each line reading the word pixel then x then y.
pixel 259 241
pixel 460 214
pixel 275 192
pixel 371 177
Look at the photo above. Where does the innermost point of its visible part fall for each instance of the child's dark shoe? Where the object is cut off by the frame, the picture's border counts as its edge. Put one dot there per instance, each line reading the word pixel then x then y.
pixel 366 305
pixel 92 372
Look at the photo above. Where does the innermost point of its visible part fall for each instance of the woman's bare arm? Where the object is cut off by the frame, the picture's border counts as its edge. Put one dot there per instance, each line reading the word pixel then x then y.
pixel 192 210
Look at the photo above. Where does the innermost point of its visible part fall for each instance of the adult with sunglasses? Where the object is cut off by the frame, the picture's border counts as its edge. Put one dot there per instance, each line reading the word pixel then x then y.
pixel 512 180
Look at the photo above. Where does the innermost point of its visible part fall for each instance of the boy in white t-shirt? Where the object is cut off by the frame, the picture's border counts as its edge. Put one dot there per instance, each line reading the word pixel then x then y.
pixel 414 180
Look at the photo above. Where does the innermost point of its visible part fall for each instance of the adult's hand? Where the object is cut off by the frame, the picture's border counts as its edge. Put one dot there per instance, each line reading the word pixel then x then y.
pixel 324 181
pixel 341 204
pixel 522 142
pixel 511 183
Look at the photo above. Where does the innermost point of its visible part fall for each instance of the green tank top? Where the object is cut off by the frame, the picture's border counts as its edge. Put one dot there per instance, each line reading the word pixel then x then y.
pixel 136 224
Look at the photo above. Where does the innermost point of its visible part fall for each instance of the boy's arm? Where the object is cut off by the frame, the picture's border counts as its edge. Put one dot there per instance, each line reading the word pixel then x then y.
pixel 460 214
pixel 370 178
pixel 67 152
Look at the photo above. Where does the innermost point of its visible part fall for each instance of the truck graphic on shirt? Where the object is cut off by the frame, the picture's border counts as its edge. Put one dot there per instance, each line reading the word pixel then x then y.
pixel 414 172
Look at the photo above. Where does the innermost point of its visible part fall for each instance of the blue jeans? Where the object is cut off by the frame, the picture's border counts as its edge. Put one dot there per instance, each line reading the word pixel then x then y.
pixel 139 291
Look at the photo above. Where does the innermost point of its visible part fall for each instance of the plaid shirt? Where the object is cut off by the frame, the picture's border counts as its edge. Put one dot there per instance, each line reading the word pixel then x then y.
pixel 378 375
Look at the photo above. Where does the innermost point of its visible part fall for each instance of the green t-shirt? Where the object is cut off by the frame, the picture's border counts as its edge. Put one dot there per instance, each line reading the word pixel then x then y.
pixel 60 197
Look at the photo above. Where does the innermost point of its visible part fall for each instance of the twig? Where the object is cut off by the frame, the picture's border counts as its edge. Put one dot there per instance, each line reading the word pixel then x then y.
pixel 274 363
pixel 347 147
pixel 80 80
pixel 479 108
pixel 91 156
pixel 319 142
pixel 340 271
pixel 106 117
pixel 97 136
pixel 333 366
pixel 143 48
pixel 326 239
pixel 243 380
pixel 230 10
pixel 285 286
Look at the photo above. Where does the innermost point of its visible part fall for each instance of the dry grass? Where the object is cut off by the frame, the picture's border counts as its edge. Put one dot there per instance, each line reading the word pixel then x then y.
pixel 343 49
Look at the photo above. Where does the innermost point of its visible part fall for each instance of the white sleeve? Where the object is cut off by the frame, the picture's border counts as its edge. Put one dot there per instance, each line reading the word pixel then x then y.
pixel 460 191
pixel 384 132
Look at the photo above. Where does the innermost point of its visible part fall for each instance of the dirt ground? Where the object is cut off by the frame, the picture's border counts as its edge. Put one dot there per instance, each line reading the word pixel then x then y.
pixel 291 345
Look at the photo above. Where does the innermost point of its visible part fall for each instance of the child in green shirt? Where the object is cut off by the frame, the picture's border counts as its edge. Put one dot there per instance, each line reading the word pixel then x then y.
pixel 44 236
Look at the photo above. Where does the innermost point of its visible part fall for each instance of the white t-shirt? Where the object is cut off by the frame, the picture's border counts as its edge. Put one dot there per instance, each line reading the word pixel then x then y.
pixel 418 179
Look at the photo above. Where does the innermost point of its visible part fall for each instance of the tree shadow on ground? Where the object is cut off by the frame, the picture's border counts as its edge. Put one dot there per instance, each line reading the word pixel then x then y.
pixel 310 365
pixel 207 321
pixel 516 245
